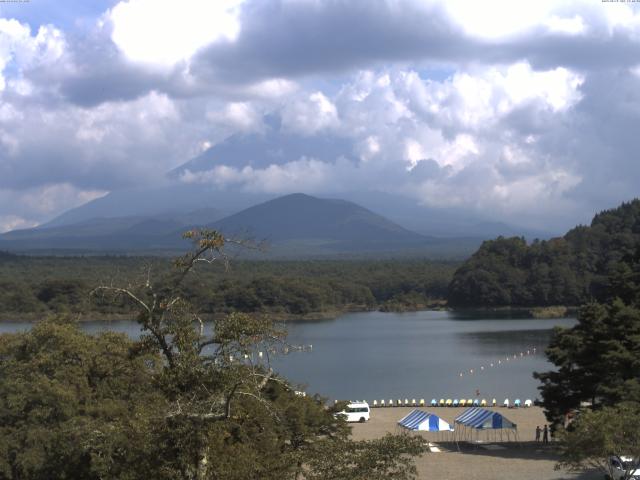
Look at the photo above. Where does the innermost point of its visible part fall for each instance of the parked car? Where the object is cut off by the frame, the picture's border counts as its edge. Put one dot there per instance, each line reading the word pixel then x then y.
pixel 623 468
pixel 356 412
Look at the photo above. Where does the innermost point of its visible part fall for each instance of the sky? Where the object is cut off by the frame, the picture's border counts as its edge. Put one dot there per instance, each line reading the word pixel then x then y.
pixel 525 111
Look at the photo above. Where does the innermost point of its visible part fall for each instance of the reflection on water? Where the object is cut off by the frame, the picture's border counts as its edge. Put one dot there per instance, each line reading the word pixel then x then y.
pixel 376 355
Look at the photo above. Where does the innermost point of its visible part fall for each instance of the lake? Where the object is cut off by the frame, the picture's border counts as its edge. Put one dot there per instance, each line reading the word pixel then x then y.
pixel 427 354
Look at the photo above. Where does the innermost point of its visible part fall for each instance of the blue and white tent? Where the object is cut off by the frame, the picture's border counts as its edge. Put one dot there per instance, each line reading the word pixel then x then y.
pixel 424 421
pixel 483 419
pixel 479 419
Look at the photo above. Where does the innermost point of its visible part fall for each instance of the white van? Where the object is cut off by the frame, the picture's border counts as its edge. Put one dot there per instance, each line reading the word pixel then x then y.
pixel 356 412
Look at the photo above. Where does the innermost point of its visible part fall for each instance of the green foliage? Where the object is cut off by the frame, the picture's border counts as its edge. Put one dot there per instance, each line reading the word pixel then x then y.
pixel 389 457
pixel 598 360
pixel 30 286
pixel 72 405
pixel 595 436
pixel 181 403
pixel 570 270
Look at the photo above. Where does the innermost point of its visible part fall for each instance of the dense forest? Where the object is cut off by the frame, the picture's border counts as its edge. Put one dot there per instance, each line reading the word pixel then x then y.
pixel 33 286
pixel 570 270
pixel 176 404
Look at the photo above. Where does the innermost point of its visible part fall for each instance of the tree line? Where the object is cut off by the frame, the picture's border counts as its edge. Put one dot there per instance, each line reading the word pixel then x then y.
pixel 569 270
pixel 33 286
pixel 593 393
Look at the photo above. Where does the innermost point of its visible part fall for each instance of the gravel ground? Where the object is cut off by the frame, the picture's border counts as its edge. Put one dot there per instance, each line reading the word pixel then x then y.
pixel 525 460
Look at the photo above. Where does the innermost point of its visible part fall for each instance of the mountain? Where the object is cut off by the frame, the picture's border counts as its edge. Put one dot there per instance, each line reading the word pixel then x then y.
pixel 132 233
pixel 334 224
pixel 293 226
pixel 172 199
pixel 183 190
pixel 272 146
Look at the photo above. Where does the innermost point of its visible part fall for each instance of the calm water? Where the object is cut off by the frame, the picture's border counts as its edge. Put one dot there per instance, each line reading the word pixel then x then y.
pixel 377 355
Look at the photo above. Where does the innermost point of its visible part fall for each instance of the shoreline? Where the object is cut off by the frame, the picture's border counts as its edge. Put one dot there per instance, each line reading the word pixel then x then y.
pixel 330 314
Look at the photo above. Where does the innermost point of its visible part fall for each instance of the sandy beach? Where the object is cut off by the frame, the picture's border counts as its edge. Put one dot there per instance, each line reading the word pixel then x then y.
pixel 488 460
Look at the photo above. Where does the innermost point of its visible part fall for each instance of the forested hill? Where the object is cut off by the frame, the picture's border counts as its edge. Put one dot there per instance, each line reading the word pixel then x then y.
pixel 562 271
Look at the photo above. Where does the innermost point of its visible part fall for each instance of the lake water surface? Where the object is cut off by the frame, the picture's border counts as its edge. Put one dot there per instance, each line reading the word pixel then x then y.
pixel 376 355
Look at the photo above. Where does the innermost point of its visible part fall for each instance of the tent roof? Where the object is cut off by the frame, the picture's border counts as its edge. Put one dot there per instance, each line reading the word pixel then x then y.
pixel 481 418
pixel 420 420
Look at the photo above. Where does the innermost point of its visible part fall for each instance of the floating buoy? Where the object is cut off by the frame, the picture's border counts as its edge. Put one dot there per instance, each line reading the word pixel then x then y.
pixel 492 364
pixel 461 374
pixel 471 371
pixel 482 368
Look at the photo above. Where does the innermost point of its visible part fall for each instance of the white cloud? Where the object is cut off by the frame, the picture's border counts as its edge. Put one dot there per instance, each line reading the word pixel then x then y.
pixel 477 98
pixel 505 125
pixel 493 19
pixel 240 116
pixel 164 32
pixel 310 115
pixel 305 174
pixel 20 50
pixel 271 88
pixel 572 26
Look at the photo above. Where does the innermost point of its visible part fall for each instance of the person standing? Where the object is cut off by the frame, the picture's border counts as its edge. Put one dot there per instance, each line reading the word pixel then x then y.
pixel 538 431
pixel 545 435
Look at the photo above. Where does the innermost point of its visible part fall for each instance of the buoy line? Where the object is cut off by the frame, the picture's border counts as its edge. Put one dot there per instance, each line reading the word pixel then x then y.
pixel 501 361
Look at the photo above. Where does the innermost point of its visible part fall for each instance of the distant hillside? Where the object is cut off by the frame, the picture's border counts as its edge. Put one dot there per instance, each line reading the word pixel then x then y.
pixel 335 224
pixel 132 233
pixel 293 226
pixel 568 270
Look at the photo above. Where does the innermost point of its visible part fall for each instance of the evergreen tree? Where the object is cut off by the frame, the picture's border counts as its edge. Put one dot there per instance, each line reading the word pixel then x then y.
pixel 598 360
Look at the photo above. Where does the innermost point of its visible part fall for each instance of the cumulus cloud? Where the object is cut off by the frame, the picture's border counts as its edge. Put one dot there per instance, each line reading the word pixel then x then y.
pixel 530 120
pixel 475 140
pixel 310 115
pixel 305 174
pixel 174 31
